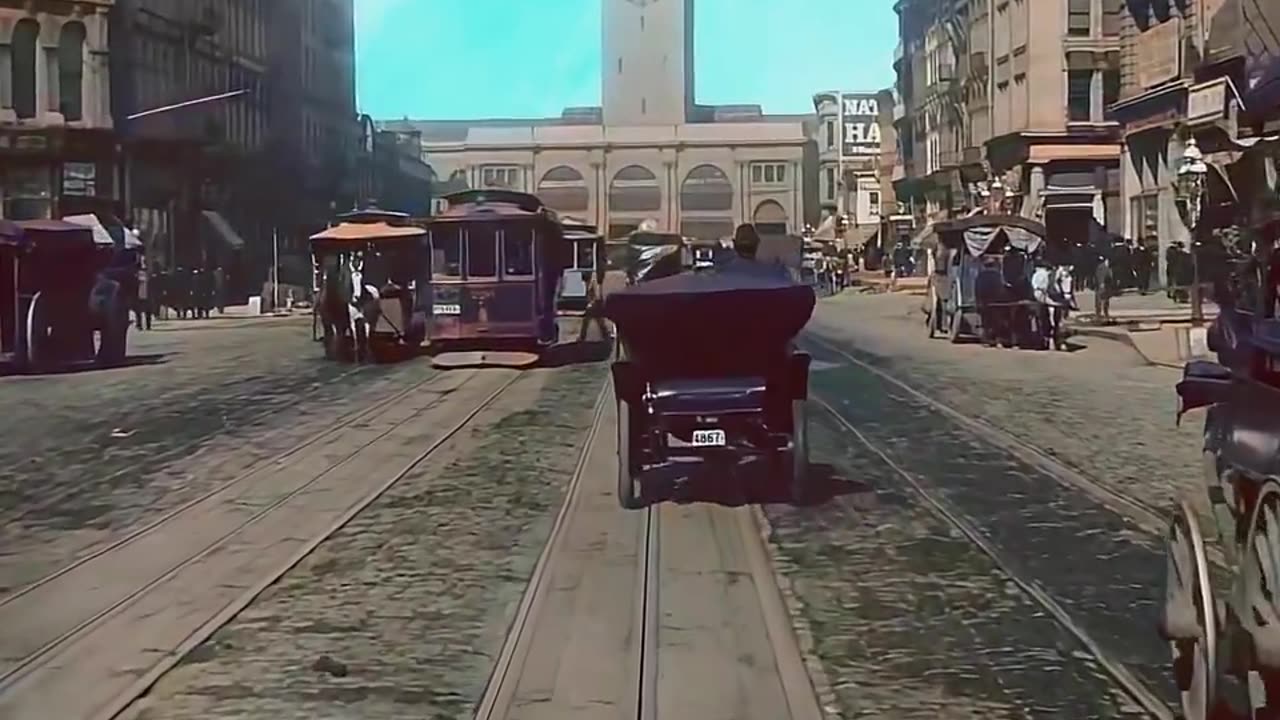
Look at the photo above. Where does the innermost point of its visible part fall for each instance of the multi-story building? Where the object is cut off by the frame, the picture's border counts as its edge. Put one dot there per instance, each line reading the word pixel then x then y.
pixel 191 166
pixel 650 153
pixel 848 142
pixel 1185 75
pixel 57 149
pixel 1015 91
pixel 214 181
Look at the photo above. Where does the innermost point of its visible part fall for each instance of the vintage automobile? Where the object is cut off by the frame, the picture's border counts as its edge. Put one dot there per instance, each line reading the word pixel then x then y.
pixel 706 253
pixel 497 260
pixel 587 258
pixel 706 368
pixel 372 275
pixel 1226 653
pixel 966 250
pixel 62 300
pixel 654 255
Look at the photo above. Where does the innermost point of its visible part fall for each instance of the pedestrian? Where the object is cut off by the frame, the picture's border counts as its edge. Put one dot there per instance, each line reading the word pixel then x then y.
pixel 1104 281
pixel 220 289
pixel 143 308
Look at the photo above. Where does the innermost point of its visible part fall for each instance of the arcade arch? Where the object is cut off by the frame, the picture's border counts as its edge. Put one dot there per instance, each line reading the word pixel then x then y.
pixel 564 189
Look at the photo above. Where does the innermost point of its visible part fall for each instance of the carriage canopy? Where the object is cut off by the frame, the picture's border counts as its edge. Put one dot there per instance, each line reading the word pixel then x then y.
pixel 992 234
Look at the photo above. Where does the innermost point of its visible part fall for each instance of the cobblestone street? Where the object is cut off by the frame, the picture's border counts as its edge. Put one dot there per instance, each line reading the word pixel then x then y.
pixel 404 610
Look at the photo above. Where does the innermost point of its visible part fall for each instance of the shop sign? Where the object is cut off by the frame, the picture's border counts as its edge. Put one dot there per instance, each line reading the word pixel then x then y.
pixel 860 125
pixel 79 178
pixel 1159 53
pixel 24 142
pixel 1207 102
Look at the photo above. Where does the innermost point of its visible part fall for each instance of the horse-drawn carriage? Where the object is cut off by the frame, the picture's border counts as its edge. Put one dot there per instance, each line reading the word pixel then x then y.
pixel 497 260
pixel 706 368
pixel 980 284
pixel 1226 655
pixel 61 299
pixel 372 273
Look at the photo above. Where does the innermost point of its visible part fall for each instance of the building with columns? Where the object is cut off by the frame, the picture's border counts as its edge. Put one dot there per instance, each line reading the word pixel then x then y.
pixel 649 153
pixel 57 149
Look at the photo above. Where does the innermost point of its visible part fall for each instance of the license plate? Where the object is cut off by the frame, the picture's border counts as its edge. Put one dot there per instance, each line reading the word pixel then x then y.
pixel 708 438
pixel 446 309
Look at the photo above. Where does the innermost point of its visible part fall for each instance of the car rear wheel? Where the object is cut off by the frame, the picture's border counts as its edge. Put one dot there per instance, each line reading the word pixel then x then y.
pixel 628 497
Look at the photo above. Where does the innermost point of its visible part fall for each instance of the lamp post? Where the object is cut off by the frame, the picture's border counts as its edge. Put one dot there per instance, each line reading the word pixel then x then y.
pixel 1192 176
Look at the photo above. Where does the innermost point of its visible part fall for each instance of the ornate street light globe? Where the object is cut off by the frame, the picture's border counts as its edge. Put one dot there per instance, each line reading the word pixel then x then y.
pixel 1192 173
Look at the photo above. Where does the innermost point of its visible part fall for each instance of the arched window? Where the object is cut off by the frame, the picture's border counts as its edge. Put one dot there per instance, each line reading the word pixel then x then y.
pixel 770 218
pixel 71 71
pixel 23 67
pixel 635 189
pixel 706 188
pixel 564 189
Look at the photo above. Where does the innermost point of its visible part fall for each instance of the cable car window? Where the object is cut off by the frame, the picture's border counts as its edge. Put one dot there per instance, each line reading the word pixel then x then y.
pixel 446 254
pixel 482 252
pixel 517 254
pixel 586 255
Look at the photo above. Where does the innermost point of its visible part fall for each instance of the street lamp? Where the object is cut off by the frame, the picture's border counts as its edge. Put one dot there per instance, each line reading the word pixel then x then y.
pixel 1193 175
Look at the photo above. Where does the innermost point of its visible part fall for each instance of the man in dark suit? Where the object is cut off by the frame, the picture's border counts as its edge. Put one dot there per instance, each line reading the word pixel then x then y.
pixel 746 243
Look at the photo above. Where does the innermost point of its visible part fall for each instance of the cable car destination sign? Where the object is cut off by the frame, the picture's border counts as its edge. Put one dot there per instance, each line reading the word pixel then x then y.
pixel 859 124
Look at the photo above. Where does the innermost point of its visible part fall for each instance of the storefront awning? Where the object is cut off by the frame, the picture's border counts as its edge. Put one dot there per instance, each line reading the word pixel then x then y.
pixel 223 229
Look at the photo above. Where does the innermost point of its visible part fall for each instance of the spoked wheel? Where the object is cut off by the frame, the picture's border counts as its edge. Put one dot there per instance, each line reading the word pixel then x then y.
pixel 1260 588
pixel 628 495
pixel 1189 621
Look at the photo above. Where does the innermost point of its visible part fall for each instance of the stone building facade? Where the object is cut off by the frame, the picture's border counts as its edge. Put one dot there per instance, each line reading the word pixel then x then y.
pixel 214 182
pixel 1008 98
pixel 1185 75
pixel 649 153
pixel 57 150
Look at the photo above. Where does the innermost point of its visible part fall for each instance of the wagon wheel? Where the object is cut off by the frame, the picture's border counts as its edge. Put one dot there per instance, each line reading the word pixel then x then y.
pixel 628 497
pixel 799 455
pixel 1189 621
pixel 37 338
pixel 1260 596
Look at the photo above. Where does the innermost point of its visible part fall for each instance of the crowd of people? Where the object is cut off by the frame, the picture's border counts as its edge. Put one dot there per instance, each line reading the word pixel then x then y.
pixel 187 292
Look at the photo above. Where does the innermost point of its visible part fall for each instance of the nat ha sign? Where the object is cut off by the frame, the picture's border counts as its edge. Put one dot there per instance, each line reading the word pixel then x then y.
pixel 861 125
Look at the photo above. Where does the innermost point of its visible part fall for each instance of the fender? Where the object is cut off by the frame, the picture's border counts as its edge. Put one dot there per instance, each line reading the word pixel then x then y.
pixel 1245 430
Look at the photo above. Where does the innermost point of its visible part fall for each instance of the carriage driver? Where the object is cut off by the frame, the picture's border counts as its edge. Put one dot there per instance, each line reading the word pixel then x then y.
pixel 746 243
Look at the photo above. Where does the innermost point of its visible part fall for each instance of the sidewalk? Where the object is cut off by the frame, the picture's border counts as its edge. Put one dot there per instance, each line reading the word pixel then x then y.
pixel 232 313
pixel 875 281
pixel 1149 324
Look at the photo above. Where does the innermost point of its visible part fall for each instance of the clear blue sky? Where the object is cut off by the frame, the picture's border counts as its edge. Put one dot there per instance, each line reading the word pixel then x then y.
pixel 445 59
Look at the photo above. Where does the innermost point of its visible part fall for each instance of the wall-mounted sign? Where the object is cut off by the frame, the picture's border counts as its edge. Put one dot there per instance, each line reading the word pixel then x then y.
pixel 79 178
pixel 860 125
pixel 1159 53
pixel 1207 102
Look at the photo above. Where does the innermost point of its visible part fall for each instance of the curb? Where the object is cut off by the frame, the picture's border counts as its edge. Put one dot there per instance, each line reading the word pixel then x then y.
pixel 1122 338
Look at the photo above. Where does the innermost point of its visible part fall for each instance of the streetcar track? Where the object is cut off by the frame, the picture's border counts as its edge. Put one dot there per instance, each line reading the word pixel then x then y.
pixel 640 695
pixel 500 687
pixel 1147 517
pixel 28 509
pixel 1132 686
pixel 343 422
pixel 121 700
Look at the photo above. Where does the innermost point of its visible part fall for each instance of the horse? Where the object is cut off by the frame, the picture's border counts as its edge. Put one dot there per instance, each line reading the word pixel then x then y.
pixel 334 307
pixel 1055 291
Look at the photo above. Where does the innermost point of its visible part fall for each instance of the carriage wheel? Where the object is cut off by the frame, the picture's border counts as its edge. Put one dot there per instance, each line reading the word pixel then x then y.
pixel 1260 589
pixel 628 497
pixel 38 339
pixel 799 470
pixel 1189 621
